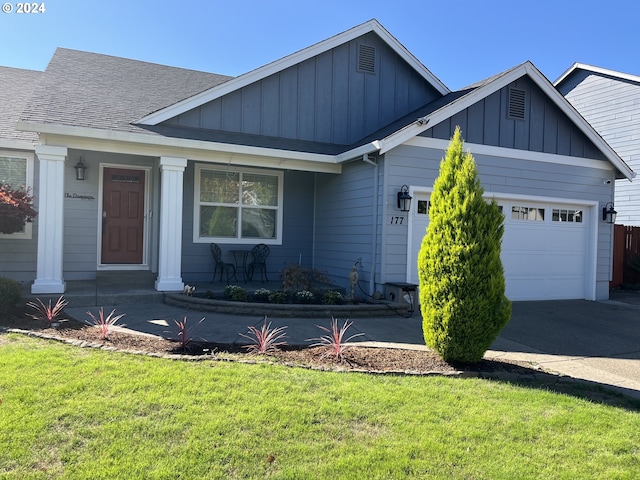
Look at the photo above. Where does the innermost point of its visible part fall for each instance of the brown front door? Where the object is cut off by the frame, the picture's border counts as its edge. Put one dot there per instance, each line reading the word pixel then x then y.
pixel 122 216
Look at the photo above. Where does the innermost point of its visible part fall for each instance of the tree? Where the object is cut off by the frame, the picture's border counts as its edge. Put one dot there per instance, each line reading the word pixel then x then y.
pixel 459 267
pixel 16 208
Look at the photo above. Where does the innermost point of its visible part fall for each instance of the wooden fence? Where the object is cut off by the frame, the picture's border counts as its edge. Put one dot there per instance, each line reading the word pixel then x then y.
pixel 626 255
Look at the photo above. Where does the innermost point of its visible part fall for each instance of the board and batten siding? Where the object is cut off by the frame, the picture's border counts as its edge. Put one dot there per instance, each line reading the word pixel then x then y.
pixel 612 106
pixel 544 127
pixel 418 167
pixel 344 224
pixel 323 99
pixel 297 231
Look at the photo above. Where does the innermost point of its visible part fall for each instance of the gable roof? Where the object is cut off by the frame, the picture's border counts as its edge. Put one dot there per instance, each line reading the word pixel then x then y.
pixel 91 90
pixel 598 70
pixel 290 60
pixel 17 87
pixel 483 89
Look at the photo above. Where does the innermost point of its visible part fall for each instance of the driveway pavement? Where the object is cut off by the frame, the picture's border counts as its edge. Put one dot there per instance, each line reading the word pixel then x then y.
pixel 594 341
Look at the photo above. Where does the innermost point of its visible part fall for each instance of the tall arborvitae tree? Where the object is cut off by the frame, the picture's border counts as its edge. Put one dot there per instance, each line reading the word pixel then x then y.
pixel 461 276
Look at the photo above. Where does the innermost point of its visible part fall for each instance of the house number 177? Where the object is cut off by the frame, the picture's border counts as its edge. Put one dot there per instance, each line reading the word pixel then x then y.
pixel 396 220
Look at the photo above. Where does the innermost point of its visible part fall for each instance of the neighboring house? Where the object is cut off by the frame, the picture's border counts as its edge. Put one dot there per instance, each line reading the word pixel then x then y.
pixel 306 154
pixel 610 102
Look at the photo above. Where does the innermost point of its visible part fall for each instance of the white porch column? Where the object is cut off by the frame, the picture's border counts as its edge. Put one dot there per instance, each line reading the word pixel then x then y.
pixel 50 220
pixel 170 244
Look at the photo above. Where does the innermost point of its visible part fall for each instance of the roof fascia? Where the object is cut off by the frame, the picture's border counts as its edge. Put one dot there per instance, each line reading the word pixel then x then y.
pixel 144 144
pixel 288 61
pixel 599 70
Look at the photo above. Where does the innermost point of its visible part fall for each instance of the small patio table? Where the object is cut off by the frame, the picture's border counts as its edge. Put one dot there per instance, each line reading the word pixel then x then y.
pixel 240 258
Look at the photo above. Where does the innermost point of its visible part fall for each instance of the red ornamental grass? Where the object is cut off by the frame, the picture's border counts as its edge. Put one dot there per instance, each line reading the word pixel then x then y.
pixel 334 339
pixel 47 312
pixel 265 340
pixel 105 323
pixel 186 332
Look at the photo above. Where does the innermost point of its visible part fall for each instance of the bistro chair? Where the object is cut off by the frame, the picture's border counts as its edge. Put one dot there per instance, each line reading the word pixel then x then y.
pixel 230 268
pixel 260 253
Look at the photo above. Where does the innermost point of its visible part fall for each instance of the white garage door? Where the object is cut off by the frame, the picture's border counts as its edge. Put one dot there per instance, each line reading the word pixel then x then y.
pixel 544 248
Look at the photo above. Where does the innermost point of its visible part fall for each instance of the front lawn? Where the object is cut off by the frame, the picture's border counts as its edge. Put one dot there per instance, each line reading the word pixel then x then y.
pixel 68 412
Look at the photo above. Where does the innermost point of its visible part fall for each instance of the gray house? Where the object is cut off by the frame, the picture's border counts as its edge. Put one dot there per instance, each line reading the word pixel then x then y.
pixel 610 101
pixel 308 155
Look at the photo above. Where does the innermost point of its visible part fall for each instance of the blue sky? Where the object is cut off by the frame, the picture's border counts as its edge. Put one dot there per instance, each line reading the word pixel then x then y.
pixel 461 42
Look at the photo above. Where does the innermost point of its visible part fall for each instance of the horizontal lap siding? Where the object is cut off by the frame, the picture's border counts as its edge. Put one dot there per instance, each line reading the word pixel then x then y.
pixel 612 106
pixel 344 222
pixel 419 167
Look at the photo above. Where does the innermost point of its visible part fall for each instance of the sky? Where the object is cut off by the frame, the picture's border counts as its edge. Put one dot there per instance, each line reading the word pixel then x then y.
pixel 460 42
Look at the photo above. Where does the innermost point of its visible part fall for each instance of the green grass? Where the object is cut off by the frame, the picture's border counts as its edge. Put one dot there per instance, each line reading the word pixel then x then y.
pixel 78 413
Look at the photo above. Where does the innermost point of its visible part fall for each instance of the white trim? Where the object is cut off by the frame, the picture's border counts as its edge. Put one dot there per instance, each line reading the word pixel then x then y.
pixel 237 240
pixel 157 146
pixel 598 70
pixel 591 208
pixel 30 165
pixel 475 148
pixel 146 227
pixel 290 60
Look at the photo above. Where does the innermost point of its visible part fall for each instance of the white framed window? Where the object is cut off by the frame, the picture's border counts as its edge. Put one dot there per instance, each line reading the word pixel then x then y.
pixel 237 205
pixel 16 169
pixel 566 215
pixel 532 214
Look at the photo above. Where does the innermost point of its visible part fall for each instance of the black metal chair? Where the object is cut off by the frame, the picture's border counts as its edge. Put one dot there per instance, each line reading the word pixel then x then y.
pixel 230 268
pixel 260 253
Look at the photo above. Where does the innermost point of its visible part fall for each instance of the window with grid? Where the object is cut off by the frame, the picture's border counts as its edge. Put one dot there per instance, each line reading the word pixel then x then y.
pixel 16 171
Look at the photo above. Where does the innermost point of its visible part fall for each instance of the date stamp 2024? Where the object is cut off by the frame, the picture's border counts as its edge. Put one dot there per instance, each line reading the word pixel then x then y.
pixel 27 8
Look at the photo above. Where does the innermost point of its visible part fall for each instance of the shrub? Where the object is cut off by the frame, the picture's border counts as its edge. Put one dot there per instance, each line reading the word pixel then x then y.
pixel 265 340
pixel 277 297
pixel 296 278
pixel 262 295
pixel 16 208
pixel 459 268
pixel 185 333
pixel 332 297
pixel 103 323
pixel 305 296
pixel 10 294
pixel 47 312
pixel 235 293
pixel 334 339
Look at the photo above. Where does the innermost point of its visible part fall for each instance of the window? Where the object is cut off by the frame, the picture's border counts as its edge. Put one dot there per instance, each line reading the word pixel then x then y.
pixel 237 206
pixel 568 215
pixel 423 207
pixel 527 213
pixel 16 169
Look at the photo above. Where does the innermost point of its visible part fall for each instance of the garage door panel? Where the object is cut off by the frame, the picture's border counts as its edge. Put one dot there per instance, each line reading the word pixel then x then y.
pixel 547 288
pixel 541 263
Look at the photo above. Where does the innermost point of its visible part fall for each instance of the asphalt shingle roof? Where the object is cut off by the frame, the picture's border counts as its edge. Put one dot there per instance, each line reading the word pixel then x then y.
pixel 86 89
pixel 16 87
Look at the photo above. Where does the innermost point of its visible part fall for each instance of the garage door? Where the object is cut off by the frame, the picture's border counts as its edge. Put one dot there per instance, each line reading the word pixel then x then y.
pixel 544 248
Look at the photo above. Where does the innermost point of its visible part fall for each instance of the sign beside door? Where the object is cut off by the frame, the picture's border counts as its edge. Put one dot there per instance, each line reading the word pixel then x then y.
pixel 123 216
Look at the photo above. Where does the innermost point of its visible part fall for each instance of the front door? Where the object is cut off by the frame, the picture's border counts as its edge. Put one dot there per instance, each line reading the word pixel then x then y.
pixel 123 216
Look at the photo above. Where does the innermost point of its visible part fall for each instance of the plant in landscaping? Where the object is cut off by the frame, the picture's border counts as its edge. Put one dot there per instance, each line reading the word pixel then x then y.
pixel 277 297
pixel 47 312
pixel 305 296
pixel 334 339
pixel 186 332
pixel 296 277
pixel 461 275
pixel 105 323
pixel 265 340
pixel 332 297
pixel 10 294
pixel 235 293
pixel 262 294
pixel 16 208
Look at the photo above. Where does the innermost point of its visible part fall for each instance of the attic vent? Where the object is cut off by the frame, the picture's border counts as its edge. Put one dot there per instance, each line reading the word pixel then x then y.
pixel 366 58
pixel 516 104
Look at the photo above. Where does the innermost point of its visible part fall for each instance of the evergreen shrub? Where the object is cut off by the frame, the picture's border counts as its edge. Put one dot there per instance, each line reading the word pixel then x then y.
pixel 10 294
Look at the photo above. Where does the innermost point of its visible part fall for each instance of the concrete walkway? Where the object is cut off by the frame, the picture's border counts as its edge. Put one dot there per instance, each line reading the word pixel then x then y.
pixel 594 341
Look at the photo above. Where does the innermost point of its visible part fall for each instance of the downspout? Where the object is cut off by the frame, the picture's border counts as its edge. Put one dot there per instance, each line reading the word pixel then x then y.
pixel 374 242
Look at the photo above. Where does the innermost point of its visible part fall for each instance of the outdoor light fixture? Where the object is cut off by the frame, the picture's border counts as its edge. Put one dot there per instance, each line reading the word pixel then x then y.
pixel 404 199
pixel 609 214
pixel 80 168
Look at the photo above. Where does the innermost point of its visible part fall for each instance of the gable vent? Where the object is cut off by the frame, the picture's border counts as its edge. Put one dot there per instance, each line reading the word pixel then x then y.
pixel 516 104
pixel 366 58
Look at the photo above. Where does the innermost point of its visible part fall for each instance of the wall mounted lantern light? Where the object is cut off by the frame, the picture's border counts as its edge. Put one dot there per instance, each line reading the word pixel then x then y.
pixel 404 199
pixel 80 168
pixel 609 214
